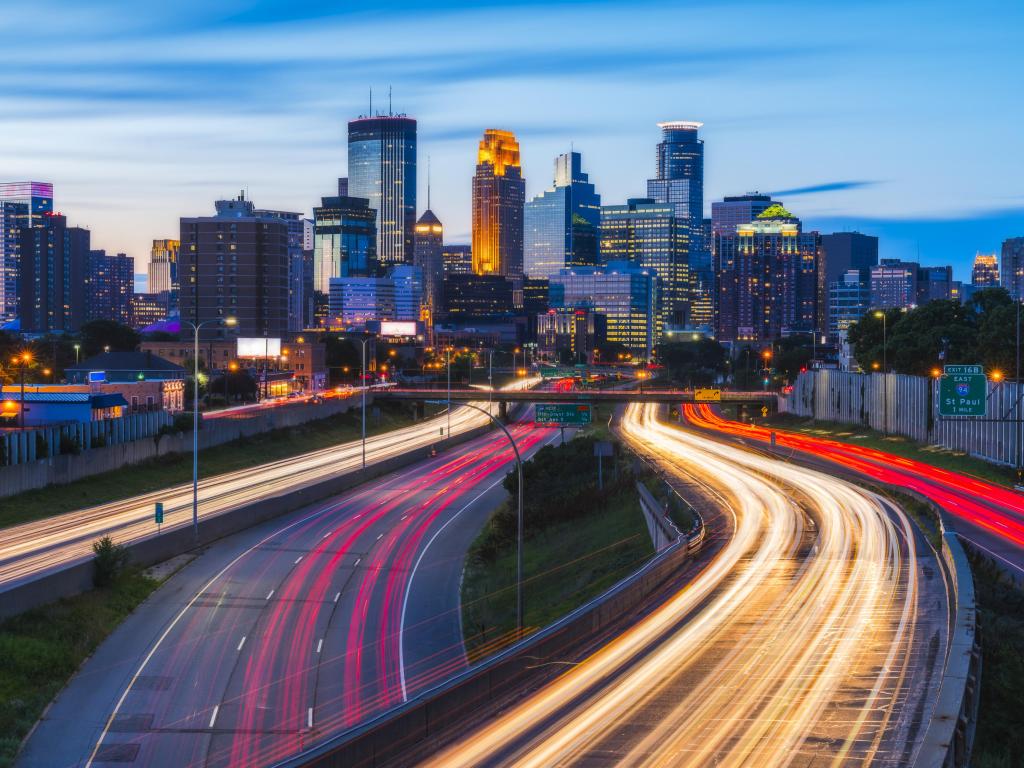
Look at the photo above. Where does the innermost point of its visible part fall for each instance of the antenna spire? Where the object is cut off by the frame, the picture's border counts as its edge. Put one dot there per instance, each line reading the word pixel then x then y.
pixel 371 102
pixel 389 102
pixel 428 182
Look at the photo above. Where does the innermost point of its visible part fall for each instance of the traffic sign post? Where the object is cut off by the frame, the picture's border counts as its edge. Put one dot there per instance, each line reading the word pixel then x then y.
pixel 158 515
pixel 962 391
pixel 707 395
pixel 563 414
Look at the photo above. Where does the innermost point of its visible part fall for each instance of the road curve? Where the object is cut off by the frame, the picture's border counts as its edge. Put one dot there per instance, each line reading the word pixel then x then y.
pixel 32 549
pixel 814 637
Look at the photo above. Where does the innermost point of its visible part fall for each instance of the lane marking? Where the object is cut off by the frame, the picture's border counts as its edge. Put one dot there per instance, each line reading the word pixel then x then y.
pixel 380 536
pixel 309 717
pixel 298 559
pixel 412 576
pixel 337 597
pixel 358 560
pixel 973 543
pixel 213 717
pixel 319 644
pixel 270 594
pixel 240 643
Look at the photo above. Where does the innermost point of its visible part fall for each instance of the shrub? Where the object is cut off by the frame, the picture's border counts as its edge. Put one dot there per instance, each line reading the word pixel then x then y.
pixel 69 444
pixel 109 561
pixel 182 422
pixel 42 449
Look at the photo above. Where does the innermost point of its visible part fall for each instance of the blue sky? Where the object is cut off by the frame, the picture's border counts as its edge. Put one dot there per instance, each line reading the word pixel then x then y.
pixel 902 119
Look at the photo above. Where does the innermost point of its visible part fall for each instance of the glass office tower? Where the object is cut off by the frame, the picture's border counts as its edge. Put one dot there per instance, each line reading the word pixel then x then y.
pixel 382 169
pixel 344 245
pixel 561 224
pixel 22 203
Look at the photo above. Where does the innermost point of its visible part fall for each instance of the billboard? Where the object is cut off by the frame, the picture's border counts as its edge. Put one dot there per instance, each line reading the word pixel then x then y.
pixel 259 347
pixel 397 328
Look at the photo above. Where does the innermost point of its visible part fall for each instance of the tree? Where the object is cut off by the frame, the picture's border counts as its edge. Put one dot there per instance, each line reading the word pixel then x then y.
pixel 234 386
pixel 933 334
pixel 693 363
pixel 792 355
pixel 99 334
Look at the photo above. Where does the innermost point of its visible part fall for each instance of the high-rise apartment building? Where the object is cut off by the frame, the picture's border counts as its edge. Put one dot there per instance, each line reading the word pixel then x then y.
pixel 296 236
pixel 627 295
pixel 767 278
pixel 163 266
pixel 561 224
pixel 429 257
pixel 498 199
pixel 1012 267
pixel 235 264
pixel 22 204
pixel 985 271
pixel 894 284
pixel 382 169
pixel 651 236
pixel 849 299
pixel 344 244
pixel 934 283
pixel 111 287
pixel 53 272
pixel 841 252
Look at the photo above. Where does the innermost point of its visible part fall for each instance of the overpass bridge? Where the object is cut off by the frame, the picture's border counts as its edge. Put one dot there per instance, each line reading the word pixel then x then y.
pixel 757 400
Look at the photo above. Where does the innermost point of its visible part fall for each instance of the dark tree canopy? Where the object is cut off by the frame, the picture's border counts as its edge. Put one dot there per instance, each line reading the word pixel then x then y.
pixel 97 334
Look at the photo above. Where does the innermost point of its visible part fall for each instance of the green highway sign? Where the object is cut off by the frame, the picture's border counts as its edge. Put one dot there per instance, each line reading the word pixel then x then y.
pixel 158 513
pixel 558 373
pixel 962 391
pixel 562 414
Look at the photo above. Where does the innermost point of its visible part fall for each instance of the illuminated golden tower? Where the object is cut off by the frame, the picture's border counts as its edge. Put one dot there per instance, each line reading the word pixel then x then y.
pixel 499 193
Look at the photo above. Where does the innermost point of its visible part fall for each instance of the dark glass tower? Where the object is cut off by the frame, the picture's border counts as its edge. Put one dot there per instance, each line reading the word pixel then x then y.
pixel 22 204
pixel 382 169
pixel 53 269
pixel 344 244
pixel 680 179
pixel 429 257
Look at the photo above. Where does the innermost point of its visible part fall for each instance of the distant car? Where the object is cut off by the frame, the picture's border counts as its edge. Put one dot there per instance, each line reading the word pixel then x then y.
pixel 293 395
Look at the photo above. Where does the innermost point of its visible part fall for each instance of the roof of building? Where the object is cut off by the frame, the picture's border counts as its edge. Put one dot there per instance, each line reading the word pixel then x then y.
pixel 105 400
pixel 119 360
pixel 428 217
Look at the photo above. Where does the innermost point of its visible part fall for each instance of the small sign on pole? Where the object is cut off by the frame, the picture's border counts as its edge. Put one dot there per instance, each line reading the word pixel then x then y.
pixel 601 448
pixel 158 515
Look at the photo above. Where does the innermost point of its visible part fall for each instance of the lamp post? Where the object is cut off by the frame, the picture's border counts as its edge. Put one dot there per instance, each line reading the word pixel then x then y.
pixel 23 360
pixel 229 321
pixel 490 379
pixel 362 382
pixel 448 359
pixel 1016 395
pixel 885 378
pixel 78 348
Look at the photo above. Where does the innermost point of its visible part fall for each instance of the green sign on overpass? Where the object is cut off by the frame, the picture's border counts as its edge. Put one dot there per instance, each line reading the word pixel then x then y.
pixel 962 391
pixel 563 414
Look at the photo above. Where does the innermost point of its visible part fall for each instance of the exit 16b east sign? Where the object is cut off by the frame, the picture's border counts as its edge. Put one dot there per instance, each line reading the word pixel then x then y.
pixel 962 391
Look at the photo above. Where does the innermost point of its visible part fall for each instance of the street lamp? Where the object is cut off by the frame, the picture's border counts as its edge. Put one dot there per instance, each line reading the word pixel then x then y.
pixel 23 360
pixel 228 321
pixel 77 348
pixel 885 379
pixel 885 366
pixel 362 381
pixel 448 358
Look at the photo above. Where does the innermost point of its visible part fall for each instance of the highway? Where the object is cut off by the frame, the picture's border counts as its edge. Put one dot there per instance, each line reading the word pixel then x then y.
pixel 32 549
pixel 990 517
pixel 294 633
pixel 814 637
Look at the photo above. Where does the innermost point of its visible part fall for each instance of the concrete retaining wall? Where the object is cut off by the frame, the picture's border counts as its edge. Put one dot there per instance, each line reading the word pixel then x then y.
pixel 59 470
pixel 157 548
pixel 417 728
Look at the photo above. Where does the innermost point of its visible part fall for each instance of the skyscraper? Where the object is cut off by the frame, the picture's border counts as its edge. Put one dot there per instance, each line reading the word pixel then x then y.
pixel 22 203
pixel 985 272
pixel 1012 267
pixel 841 252
pixel 53 269
pixel 561 224
pixel 382 169
pixel 731 211
pixel 296 233
pixel 429 257
pixel 163 266
pixel 849 299
pixel 498 198
pixel 767 279
pixel 458 260
pixel 894 284
pixel 235 264
pixel 344 244
pixel 111 287
pixel 649 235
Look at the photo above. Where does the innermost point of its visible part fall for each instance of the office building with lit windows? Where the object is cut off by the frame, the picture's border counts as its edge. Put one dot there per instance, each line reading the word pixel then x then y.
pixel 234 264
pixel 344 244
pixel 429 257
pixel 296 235
pixel 894 284
pixel 498 198
pixel 985 271
pixel 767 279
pixel 849 299
pixel 734 210
pixel 22 204
pixel 53 275
pixel 561 224
pixel 627 296
pixel 163 266
pixel 651 236
pixel 111 287
pixel 382 169
pixel 1012 267
pixel 458 260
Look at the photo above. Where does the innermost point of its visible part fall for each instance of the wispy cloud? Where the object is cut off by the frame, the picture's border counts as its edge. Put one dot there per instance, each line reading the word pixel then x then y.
pixel 831 186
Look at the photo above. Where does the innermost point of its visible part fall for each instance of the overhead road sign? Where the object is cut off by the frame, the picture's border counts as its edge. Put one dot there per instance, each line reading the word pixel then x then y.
pixel 707 395
pixel 962 391
pixel 563 414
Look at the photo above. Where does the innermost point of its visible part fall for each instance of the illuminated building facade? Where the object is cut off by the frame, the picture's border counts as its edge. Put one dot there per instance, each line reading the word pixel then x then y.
pixel 163 266
pixel 111 287
pixel 985 271
pixel 382 169
pixel 458 260
pixel 894 284
pixel 1012 267
pixel 22 204
pixel 849 299
pixel 296 235
pixel 561 224
pixel 344 244
pixel 649 235
pixel 429 257
pixel 767 279
pixel 53 275
pixel 498 198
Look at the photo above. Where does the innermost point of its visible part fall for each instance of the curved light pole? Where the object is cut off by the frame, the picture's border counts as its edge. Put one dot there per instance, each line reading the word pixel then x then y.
pixel 363 383
pixel 228 321
pixel 519 516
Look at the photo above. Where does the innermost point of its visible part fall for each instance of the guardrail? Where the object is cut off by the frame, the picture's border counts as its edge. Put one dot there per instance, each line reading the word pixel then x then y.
pixel 411 731
pixel 950 734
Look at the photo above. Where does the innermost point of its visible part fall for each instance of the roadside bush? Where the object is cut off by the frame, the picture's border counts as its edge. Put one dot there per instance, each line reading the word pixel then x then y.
pixel 182 422
pixel 69 444
pixel 109 561
pixel 42 449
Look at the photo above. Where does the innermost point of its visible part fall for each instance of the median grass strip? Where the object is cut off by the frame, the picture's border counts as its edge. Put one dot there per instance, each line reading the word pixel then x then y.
pixel 174 469
pixel 999 740
pixel 579 541
pixel 935 455
pixel 41 649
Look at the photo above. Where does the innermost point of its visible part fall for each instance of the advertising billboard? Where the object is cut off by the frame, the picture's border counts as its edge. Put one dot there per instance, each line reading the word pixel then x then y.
pixel 397 328
pixel 259 347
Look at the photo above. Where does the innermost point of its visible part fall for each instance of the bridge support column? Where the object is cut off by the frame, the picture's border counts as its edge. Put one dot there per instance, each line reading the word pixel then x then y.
pixel 420 410
pixel 503 410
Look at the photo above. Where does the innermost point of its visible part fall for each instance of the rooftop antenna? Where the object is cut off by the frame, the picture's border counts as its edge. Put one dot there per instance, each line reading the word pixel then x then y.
pixel 428 182
pixel 371 102
pixel 389 102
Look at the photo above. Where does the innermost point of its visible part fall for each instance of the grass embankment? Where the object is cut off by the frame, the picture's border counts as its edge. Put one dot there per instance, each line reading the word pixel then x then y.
pixel 898 445
pixel 41 649
pixel 578 542
pixel 173 469
pixel 999 740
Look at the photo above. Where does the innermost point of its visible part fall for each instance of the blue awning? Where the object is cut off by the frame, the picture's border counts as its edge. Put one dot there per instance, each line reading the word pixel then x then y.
pixel 111 400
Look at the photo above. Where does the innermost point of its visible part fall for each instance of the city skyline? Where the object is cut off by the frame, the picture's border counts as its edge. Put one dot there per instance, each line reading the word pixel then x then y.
pixel 860 152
